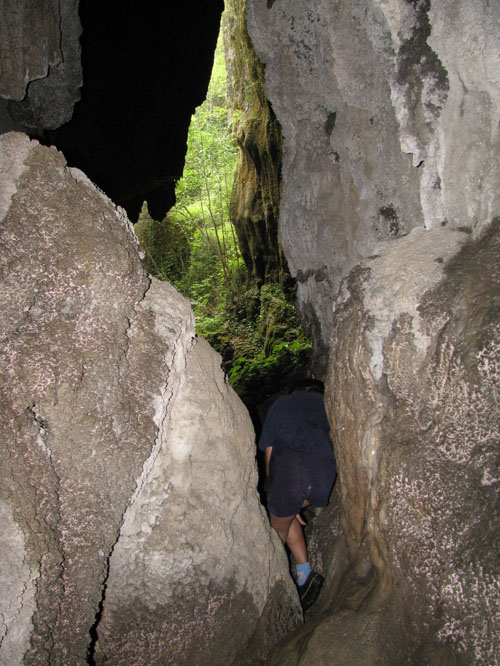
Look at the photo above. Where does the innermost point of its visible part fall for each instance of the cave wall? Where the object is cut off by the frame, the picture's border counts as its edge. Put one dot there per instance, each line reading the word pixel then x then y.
pixel 144 72
pixel 389 112
pixel 256 192
pixel 412 394
pixel 389 220
pixel 132 529
pixel 420 442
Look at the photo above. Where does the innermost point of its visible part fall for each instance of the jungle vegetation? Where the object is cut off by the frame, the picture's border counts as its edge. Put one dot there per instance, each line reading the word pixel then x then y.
pixel 255 329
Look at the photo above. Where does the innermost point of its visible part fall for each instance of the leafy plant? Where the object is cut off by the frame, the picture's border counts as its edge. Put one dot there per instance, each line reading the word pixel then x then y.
pixel 256 330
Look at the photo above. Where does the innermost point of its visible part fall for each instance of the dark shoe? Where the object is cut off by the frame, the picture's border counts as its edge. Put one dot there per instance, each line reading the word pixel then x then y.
pixel 308 593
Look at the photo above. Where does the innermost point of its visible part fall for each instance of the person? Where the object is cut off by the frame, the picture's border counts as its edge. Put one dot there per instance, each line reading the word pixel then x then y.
pixel 300 466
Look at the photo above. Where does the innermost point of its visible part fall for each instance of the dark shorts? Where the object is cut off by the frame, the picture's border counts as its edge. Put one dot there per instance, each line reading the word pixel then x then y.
pixel 296 476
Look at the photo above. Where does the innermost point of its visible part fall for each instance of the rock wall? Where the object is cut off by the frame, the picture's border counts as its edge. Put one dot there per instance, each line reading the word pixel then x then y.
pixel 390 221
pixel 128 479
pixel 389 111
pixel 257 188
pixel 413 392
pixel 40 69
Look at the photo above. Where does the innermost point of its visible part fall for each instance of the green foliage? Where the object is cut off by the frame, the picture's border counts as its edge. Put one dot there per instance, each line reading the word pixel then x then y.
pixel 203 195
pixel 277 318
pixel 282 348
pixel 195 248
pixel 166 245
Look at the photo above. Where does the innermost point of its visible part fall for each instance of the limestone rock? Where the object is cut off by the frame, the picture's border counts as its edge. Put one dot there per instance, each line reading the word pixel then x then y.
pixel 389 113
pixel 29 44
pixel 119 497
pixel 189 559
pixel 413 393
pixel 40 61
pixel 257 188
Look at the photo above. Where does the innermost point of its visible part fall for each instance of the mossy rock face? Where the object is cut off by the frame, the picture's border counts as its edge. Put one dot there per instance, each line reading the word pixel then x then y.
pixel 257 188
pixel 283 350
pixel 256 379
pixel 278 318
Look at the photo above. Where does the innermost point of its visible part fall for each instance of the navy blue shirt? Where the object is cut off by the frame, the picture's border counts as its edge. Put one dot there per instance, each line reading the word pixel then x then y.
pixel 298 422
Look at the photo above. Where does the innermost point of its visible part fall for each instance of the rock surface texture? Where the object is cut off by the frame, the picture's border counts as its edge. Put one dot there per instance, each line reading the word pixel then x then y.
pixel 419 446
pixel 132 530
pixel 389 111
pixel 257 188
pixel 390 220
pixel 413 390
pixel 40 68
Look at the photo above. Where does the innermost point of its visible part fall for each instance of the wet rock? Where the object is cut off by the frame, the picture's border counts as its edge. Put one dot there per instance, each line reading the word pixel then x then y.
pixel 257 188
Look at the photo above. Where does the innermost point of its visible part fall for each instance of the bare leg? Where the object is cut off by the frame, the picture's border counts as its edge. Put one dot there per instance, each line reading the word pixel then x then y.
pixel 290 532
pixel 296 542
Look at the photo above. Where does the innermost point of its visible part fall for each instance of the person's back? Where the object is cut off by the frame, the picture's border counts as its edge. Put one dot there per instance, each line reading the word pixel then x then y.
pixel 299 421
pixel 301 468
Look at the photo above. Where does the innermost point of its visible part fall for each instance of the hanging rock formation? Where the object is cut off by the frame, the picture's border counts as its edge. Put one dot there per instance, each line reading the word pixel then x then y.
pixel 132 530
pixel 40 64
pixel 257 188
pixel 145 68
pixel 390 221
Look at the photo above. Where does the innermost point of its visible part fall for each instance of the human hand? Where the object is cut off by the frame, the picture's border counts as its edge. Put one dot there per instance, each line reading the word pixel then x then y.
pixel 300 519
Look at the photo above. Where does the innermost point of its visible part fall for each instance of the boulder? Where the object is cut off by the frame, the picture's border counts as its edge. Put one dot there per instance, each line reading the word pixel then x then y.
pixel 128 479
pixel 191 576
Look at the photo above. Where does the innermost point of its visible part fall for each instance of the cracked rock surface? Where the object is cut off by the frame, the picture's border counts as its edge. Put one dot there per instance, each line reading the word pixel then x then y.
pixel 120 500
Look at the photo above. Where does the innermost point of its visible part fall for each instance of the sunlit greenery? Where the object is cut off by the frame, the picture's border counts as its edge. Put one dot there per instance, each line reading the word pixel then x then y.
pixel 195 248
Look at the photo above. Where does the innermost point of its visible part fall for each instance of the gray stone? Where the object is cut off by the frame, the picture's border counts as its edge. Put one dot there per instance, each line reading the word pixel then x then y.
pixel 71 277
pixel 193 552
pixel 40 62
pixel 389 112
pixel 18 589
pixel 128 478
pixel 29 43
pixel 413 393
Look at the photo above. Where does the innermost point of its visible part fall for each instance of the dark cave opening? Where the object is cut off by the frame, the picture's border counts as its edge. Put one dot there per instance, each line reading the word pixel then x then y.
pixel 144 72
